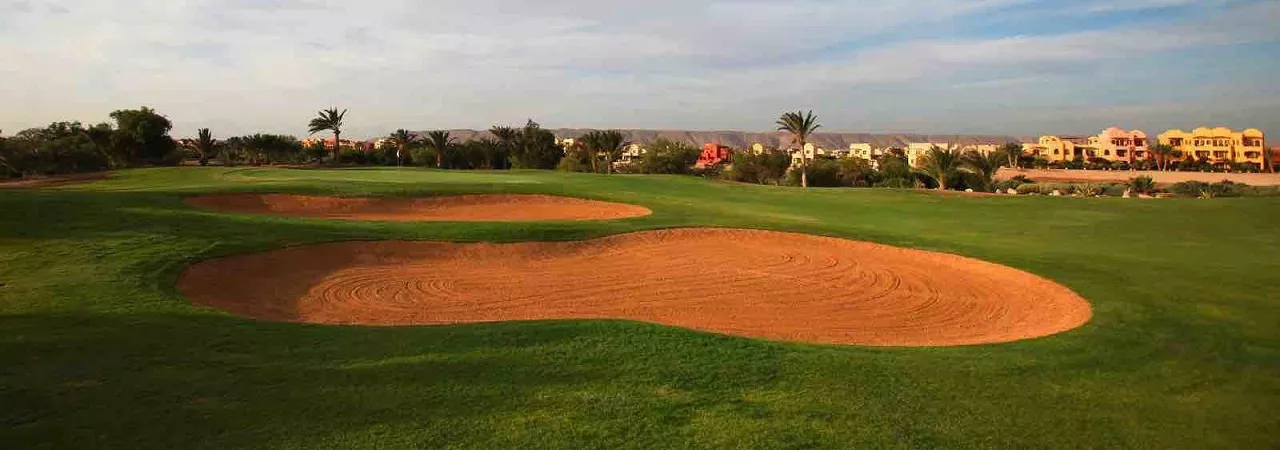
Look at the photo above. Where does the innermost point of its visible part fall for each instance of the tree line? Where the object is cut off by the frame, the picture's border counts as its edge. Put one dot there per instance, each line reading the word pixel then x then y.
pixel 141 137
pixel 138 137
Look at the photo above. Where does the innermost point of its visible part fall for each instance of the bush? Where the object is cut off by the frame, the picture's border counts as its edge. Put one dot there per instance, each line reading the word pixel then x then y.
pixel 1006 185
pixel 1115 189
pixel 822 173
pixel 1013 183
pixel 1202 189
pixel 1096 163
pixel 897 183
pixel 422 156
pixel 570 164
pixel 857 172
pixel 765 168
pixel 1142 185
pixel 668 157
pixel 353 156
pixel 1028 189
pixel 1090 189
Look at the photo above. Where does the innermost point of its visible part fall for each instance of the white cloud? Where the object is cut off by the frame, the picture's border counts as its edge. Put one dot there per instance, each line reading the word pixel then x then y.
pixel 249 65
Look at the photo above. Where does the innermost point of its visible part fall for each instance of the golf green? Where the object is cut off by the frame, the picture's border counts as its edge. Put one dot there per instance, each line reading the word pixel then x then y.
pixel 99 350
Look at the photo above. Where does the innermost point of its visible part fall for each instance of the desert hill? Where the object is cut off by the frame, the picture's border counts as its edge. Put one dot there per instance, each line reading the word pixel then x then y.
pixel 744 139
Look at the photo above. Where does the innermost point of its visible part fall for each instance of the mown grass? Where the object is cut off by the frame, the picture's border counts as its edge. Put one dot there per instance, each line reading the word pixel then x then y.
pixel 97 350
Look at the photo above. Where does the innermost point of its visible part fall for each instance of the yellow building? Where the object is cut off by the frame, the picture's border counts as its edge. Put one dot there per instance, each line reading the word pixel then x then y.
pixel 1115 144
pixel 1060 149
pixel 1112 144
pixel 916 151
pixel 865 151
pixel 1218 145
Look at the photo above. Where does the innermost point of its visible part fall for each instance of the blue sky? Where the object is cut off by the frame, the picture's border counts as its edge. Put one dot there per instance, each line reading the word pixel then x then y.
pixel 1018 67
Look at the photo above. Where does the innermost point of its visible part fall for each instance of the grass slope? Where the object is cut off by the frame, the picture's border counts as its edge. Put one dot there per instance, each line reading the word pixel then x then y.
pixel 98 351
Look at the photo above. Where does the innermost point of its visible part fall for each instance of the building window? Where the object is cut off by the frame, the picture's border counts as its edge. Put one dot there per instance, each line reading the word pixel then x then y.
pixel 1106 153
pixel 1055 152
pixel 1122 153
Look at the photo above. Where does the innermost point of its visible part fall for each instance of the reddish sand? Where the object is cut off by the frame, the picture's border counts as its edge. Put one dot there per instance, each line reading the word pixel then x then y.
pixel 740 282
pixel 458 208
pixel 1120 176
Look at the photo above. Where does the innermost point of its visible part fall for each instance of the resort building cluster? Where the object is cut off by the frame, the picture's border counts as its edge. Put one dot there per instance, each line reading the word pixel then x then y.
pixel 1220 147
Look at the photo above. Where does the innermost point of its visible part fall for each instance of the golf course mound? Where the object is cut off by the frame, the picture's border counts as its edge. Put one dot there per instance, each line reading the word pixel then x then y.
pixel 452 208
pixel 752 283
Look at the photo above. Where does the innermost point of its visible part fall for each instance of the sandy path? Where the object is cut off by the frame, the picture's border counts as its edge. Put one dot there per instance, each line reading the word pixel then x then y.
pixel 461 208
pixel 741 282
pixel 1120 176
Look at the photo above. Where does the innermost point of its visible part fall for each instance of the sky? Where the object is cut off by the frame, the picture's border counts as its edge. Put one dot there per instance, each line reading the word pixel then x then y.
pixel 1013 67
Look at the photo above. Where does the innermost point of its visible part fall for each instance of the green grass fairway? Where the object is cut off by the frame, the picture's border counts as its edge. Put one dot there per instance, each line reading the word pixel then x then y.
pixel 97 350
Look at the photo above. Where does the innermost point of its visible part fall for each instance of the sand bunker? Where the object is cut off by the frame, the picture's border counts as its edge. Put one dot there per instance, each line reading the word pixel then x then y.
pixel 459 208
pixel 740 282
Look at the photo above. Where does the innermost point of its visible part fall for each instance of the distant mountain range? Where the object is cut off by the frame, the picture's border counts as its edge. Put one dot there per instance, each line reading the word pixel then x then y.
pixel 743 139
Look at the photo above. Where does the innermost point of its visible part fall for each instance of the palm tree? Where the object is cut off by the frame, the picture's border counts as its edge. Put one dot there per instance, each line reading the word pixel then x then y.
pixel 941 165
pixel 506 135
pixel 983 166
pixel 610 143
pixel 800 125
pixel 1142 185
pixel 330 120
pixel 402 138
pixel 439 141
pixel 205 144
pixel 1161 152
pixel 1012 151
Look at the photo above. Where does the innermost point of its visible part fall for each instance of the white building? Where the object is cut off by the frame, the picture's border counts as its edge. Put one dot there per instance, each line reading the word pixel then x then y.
pixel 631 153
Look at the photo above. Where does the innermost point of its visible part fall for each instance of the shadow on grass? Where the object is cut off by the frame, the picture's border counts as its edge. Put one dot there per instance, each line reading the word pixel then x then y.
pixel 178 380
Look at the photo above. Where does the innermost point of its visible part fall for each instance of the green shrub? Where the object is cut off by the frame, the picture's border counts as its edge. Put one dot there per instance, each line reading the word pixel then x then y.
pixel 570 164
pixel 1089 189
pixel 1189 188
pixel 1260 191
pixel 664 156
pixel 822 173
pixel 1028 189
pixel 1004 186
pixel 1013 183
pixel 1063 188
pixel 897 183
pixel 1142 185
pixel 767 168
